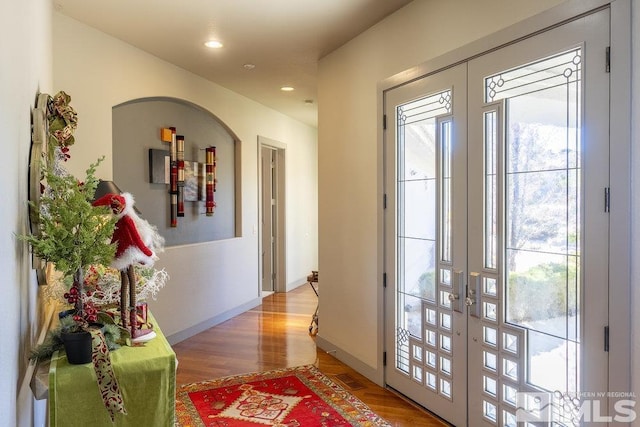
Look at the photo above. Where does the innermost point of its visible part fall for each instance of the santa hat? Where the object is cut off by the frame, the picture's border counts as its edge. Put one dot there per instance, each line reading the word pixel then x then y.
pixel 120 204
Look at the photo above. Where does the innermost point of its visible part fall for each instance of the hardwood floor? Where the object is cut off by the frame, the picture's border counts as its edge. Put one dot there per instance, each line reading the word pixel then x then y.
pixel 276 335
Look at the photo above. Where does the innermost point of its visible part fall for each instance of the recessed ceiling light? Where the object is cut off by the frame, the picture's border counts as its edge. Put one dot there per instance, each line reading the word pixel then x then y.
pixel 249 66
pixel 213 44
pixel 286 88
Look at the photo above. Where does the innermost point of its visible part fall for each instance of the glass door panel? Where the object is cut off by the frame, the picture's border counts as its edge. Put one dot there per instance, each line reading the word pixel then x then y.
pixel 529 337
pixel 425 180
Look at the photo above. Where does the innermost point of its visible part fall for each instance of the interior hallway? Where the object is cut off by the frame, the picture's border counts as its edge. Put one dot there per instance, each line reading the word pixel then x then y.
pixel 276 335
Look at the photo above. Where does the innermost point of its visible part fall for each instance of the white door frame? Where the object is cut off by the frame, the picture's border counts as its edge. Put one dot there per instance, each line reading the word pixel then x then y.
pixel 620 136
pixel 280 284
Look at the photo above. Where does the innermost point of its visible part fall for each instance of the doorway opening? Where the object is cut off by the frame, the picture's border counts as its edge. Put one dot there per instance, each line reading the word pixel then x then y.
pixel 272 216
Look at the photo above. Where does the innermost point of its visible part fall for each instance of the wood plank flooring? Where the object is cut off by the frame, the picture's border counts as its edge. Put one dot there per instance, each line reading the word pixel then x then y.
pixel 276 335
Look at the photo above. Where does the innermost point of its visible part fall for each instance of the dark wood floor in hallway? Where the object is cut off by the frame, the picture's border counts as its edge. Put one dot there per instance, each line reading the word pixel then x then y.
pixel 276 335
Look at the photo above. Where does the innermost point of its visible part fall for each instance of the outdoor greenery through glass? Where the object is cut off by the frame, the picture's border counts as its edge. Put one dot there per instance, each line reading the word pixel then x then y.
pixel 417 182
pixel 543 212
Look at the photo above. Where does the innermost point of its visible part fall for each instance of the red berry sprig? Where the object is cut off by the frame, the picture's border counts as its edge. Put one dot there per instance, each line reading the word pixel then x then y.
pixel 73 295
pixel 65 153
pixel 89 312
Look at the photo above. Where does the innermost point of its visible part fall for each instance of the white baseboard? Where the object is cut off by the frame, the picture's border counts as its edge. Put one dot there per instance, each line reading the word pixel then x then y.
pixel 375 375
pixel 296 284
pixel 216 320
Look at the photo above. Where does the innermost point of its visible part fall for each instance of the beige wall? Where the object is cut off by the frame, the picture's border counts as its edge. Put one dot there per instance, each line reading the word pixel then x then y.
pixel 209 281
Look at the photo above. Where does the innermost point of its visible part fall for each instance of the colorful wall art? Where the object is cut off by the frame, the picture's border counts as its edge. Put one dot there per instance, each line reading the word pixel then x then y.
pixel 187 180
pixel 142 166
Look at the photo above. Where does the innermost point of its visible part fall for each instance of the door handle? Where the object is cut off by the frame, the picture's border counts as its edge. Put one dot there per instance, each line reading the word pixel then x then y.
pixel 457 291
pixel 473 294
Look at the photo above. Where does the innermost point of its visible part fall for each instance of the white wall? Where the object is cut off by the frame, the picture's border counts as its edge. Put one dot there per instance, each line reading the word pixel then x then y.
pixel 209 281
pixel 26 68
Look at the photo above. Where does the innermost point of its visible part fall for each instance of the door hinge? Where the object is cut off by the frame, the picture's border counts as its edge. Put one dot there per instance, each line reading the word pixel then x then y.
pixel 606 338
pixel 607 67
pixel 607 199
pixel 384 122
pixel 384 280
pixel 384 201
pixel 384 358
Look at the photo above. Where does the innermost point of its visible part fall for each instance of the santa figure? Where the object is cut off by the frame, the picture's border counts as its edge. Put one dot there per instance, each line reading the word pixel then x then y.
pixel 137 242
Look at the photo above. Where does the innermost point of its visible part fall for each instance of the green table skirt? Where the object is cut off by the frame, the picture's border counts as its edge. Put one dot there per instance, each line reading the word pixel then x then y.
pixel 147 378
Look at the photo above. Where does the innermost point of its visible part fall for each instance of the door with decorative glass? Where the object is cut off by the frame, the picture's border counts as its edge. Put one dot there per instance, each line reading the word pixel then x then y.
pixel 426 234
pixel 497 238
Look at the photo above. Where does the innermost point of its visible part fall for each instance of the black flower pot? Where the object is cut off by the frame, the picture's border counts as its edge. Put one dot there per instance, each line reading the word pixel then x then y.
pixel 77 346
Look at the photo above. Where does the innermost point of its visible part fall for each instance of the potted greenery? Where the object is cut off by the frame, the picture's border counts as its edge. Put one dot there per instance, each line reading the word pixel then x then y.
pixel 72 234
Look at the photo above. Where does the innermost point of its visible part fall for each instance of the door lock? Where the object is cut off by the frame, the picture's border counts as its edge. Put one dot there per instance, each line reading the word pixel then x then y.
pixel 457 291
pixel 473 294
pixel 471 297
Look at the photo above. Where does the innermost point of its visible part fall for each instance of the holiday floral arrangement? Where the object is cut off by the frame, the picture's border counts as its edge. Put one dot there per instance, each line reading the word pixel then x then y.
pixel 102 285
pixel 101 293
pixel 71 234
pixel 62 121
pixel 75 236
pixel 78 237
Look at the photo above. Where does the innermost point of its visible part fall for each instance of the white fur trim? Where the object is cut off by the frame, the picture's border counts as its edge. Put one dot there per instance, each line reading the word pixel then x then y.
pixel 131 256
pixel 128 205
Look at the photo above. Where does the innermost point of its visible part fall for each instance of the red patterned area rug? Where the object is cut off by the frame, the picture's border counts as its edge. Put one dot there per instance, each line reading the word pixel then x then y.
pixel 294 397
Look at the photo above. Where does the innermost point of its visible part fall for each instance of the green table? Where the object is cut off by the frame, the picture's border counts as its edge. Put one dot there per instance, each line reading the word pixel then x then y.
pixel 147 379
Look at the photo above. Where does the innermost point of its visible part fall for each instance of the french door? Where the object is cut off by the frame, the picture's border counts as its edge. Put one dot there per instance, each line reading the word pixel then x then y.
pixel 496 231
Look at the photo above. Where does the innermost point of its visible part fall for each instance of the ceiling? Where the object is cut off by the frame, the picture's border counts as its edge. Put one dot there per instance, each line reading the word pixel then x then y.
pixel 283 39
